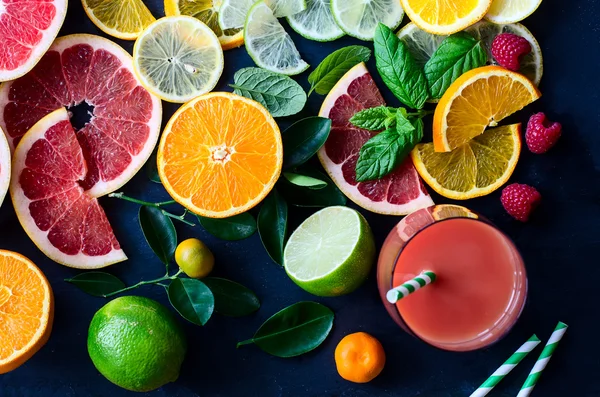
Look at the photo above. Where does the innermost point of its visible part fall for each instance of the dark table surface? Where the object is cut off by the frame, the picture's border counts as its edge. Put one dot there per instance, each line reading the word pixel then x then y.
pixel 558 245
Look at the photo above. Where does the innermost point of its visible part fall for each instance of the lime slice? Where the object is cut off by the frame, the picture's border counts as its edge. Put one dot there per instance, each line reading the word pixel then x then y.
pixel 511 11
pixel 422 45
pixel 359 18
pixel 178 58
pixel 232 14
pixel 316 22
pixel 331 253
pixel 268 43
pixel 286 8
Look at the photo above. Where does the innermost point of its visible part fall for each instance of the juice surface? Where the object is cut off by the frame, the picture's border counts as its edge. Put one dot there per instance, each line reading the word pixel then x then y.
pixel 477 268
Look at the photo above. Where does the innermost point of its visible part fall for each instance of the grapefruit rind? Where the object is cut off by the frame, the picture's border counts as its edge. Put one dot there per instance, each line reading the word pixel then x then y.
pixel 5 166
pixel 335 170
pixel 40 49
pixel 187 202
pixel 21 203
pixel 39 339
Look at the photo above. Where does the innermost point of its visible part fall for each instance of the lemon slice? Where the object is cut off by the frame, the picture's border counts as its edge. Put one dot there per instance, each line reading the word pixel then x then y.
pixel 422 45
pixel 511 11
pixel 207 11
pixel 316 22
pixel 178 58
pixel 285 8
pixel 359 18
pixel 268 43
pixel 232 13
pixel 124 19
pixel 474 169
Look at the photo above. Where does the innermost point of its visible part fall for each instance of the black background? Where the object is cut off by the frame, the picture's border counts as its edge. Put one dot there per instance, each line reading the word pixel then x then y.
pixel 560 246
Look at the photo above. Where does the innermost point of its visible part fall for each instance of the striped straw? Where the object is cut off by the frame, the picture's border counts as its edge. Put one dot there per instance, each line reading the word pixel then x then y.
pixel 542 361
pixel 508 366
pixel 423 279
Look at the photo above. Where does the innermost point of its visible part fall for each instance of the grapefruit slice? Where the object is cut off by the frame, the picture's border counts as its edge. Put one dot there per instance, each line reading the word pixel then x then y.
pixel 124 118
pixel 27 29
pixel 400 192
pixel 63 219
pixel 4 167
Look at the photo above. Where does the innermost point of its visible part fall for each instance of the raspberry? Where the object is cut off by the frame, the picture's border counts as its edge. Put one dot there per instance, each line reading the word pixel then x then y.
pixel 508 49
pixel 519 200
pixel 541 134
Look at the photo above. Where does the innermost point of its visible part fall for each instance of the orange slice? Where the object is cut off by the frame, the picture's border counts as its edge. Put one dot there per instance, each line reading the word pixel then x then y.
pixel 220 155
pixel 445 17
pixel 474 169
pixel 26 310
pixel 479 98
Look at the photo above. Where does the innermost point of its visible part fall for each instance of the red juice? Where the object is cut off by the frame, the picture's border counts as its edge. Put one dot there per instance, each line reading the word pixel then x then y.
pixel 480 288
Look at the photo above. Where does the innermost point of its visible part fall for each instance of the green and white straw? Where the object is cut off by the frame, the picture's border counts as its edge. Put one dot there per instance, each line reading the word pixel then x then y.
pixel 401 291
pixel 542 361
pixel 508 366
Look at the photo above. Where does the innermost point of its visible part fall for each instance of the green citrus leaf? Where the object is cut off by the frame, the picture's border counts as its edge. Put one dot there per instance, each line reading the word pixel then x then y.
pixel 295 330
pixel 334 66
pixel 152 169
pixel 302 197
pixel 237 227
pixel 305 181
pixel 97 283
pixel 192 299
pixel 272 225
pixel 159 232
pixel 232 299
pixel 303 139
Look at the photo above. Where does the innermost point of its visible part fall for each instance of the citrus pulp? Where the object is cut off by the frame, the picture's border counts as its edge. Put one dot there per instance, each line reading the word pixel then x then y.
pixel 124 19
pixel 5 160
pixel 445 16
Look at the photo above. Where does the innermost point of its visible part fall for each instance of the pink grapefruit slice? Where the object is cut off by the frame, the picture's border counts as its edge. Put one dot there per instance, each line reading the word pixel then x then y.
pixel 400 192
pixel 27 30
pixel 4 167
pixel 125 118
pixel 63 219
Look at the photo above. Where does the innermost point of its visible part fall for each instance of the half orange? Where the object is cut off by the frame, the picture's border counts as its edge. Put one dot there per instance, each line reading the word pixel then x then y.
pixel 26 310
pixel 220 155
pixel 479 98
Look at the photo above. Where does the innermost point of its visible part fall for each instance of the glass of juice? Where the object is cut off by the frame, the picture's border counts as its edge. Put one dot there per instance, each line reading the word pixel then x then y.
pixel 481 285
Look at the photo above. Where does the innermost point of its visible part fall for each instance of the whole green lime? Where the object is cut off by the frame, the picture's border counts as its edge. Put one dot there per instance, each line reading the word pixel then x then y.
pixel 331 253
pixel 136 343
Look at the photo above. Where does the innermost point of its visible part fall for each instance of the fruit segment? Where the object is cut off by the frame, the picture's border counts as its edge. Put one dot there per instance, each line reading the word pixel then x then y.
pixel 400 192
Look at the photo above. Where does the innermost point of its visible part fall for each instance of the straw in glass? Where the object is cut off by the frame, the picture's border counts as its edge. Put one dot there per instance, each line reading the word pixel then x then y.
pixel 415 284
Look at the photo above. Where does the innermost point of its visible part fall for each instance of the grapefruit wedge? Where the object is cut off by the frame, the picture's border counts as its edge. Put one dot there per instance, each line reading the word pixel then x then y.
pixel 27 29
pixel 400 192
pixel 61 218
pixel 4 167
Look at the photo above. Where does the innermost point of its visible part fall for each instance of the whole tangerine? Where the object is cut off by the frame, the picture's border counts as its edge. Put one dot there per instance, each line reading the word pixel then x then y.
pixel 359 357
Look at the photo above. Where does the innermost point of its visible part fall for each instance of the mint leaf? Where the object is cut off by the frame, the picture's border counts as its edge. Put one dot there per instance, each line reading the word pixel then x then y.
pixel 281 95
pixel 398 69
pixel 374 119
pixel 456 55
pixel 334 66
pixel 381 154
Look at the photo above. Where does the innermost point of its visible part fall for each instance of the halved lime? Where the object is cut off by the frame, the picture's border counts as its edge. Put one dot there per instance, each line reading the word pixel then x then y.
pixel 178 58
pixel 331 253
pixel 232 13
pixel 422 45
pixel 268 43
pixel 316 22
pixel 286 8
pixel 359 18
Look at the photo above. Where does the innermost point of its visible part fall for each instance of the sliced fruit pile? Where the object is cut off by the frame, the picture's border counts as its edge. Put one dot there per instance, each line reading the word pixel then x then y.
pixel 53 194
pixel 28 31
pixel 400 192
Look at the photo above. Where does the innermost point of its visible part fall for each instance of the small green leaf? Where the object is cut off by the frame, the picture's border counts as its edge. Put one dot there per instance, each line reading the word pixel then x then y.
pixel 457 54
pixel 281 95
pixel 97 283
pixel 305 181
pixel 272 225
pixel 159 232
pixel 295 330
pixel 303 139
pixel 232 299
pixel 334 66
pixel 234 228
pixel 192 299
pixel 374 119
pixel 152 169
pixel 398 69
pixel 302 197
